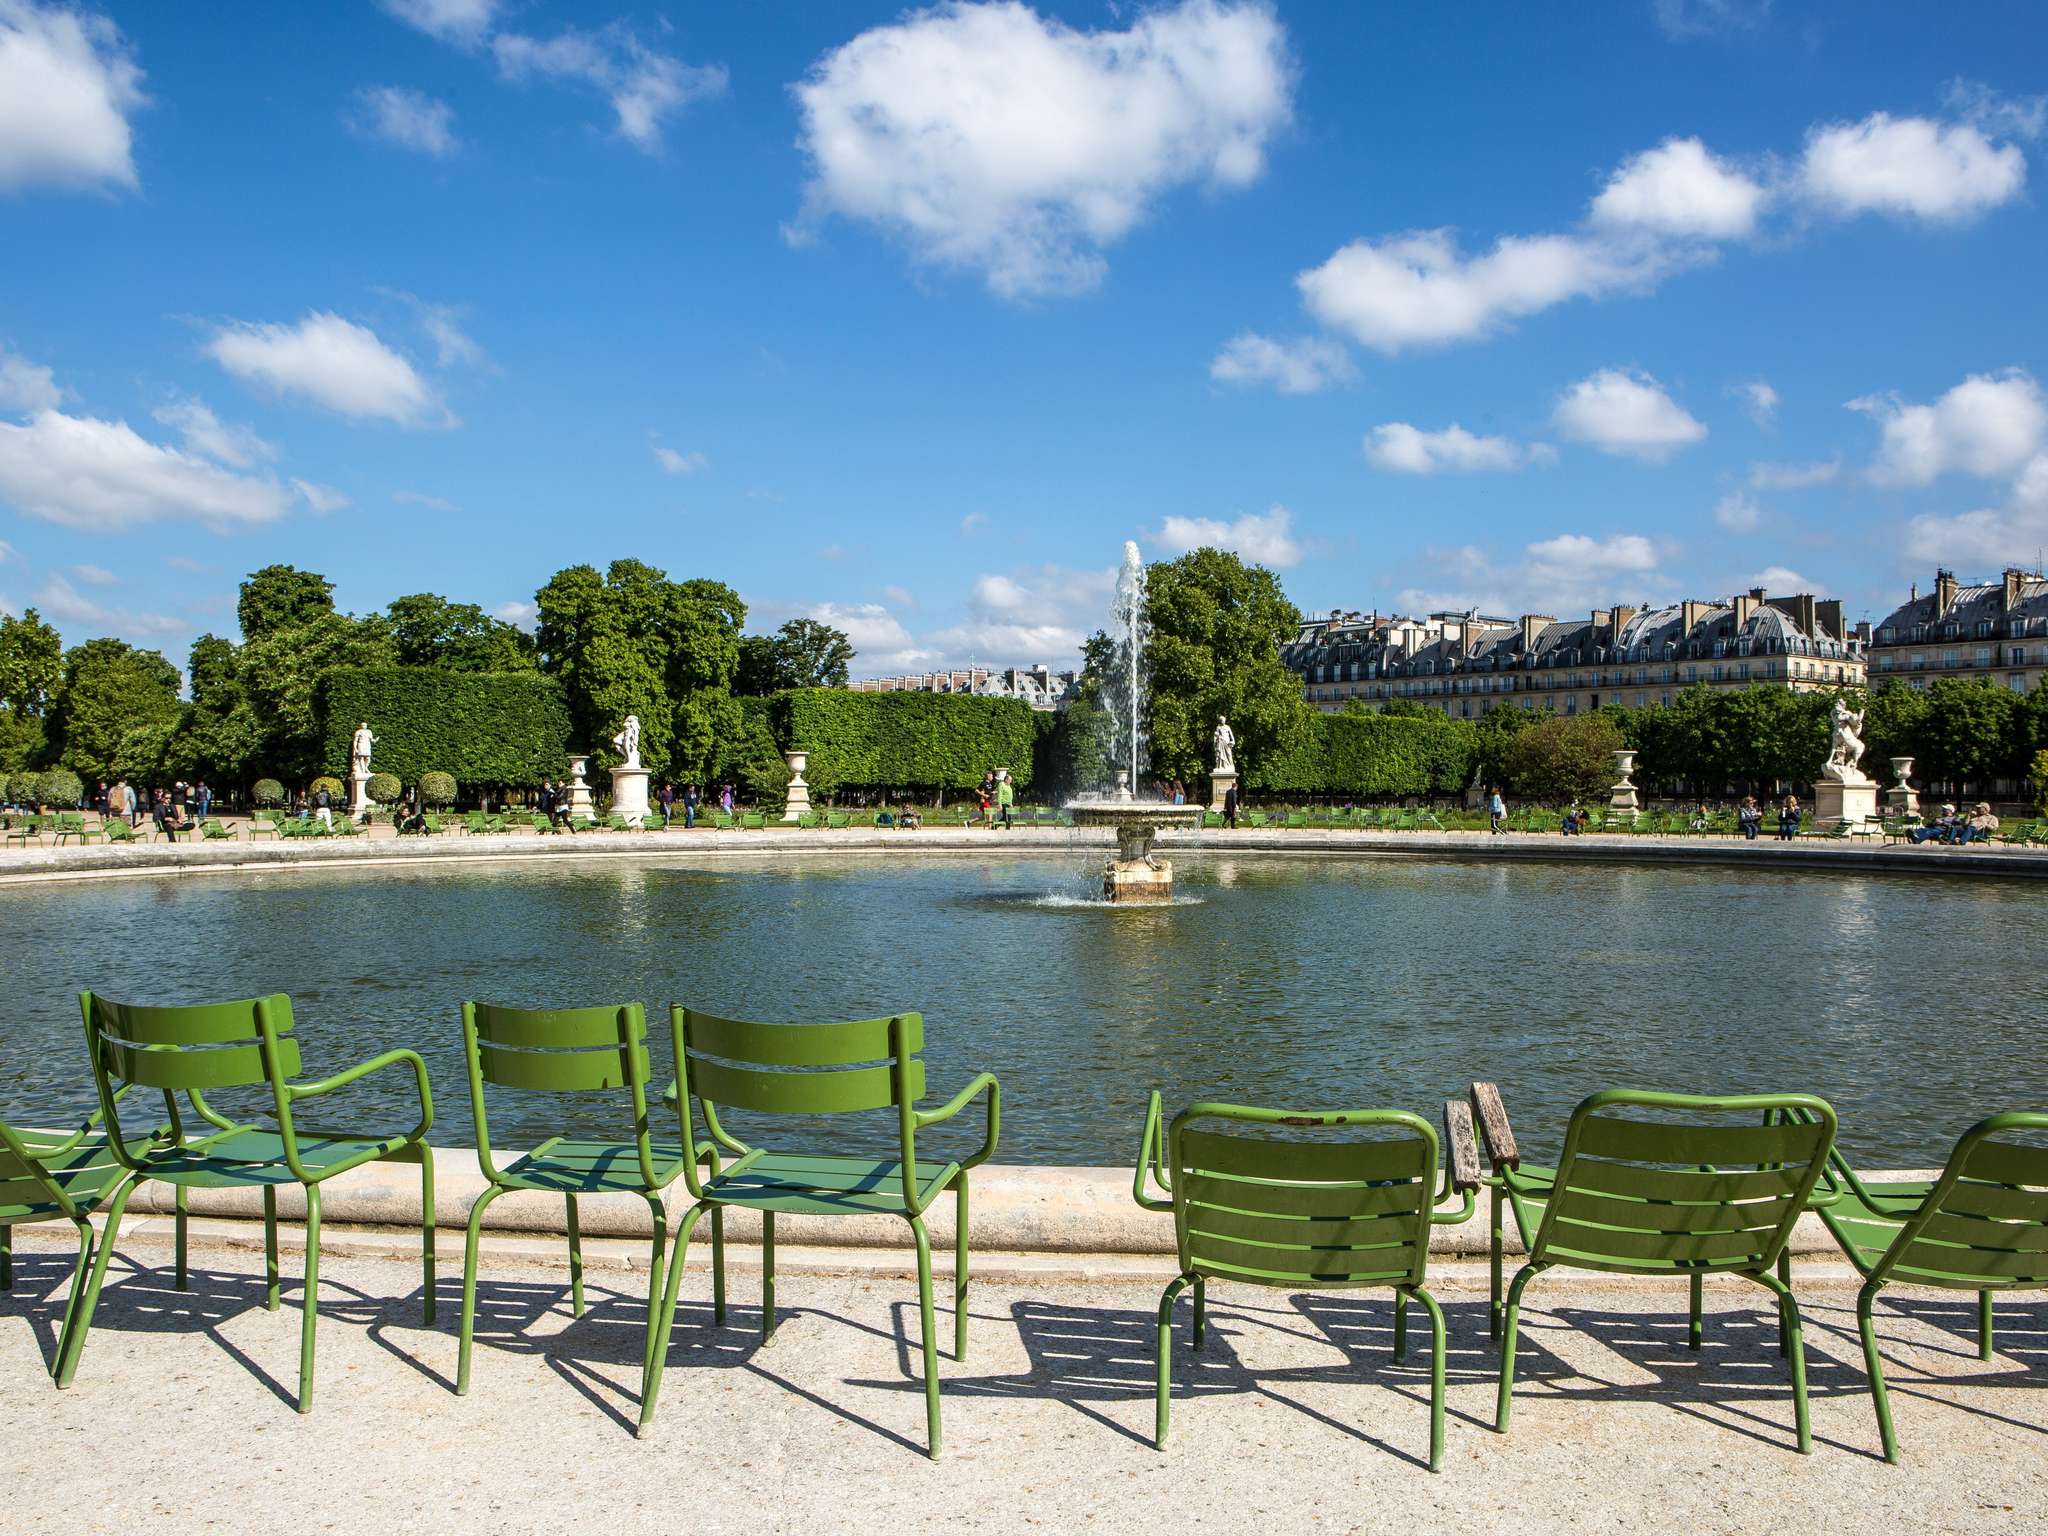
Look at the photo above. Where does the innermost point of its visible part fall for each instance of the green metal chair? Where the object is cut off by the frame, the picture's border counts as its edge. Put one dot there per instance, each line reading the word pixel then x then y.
pixel 194 1050
pixel 45 1176
pixel 1981 1226
pixel 819 1069
pixel 25 830
pixel 1301 1214
pixel 1689 1192
pixel 568 1050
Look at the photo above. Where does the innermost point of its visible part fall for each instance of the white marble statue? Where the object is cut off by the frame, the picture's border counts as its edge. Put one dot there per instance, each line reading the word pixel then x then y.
pixel 1846 750
pixel 628 742
pixel 359 751
pixel 1226 746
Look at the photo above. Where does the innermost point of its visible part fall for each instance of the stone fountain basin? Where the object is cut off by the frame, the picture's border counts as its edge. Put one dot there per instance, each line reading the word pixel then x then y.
pixel 1157 814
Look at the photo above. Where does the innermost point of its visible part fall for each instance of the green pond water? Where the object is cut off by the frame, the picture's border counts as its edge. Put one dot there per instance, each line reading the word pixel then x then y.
pixel 1915 1005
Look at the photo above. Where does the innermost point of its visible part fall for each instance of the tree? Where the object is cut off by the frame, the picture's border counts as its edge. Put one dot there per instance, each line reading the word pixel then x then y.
pixel 1566 758
pixel 31 661
pixel 631 641
pixel 430 631
pixel 108 689
pixel 812 654
pixel 758 673
pixel 1970 732
pixel 1498 730
pixel 1213 650
pixel 281 671
pixel 282 597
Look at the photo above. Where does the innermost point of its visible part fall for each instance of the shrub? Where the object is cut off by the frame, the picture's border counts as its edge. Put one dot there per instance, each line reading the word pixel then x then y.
pixel 22 787
pixel 1364 753
pixel 384 788
pixel 59 788
pixel 1570 757
pixel 750 762
pixel 2041 780
pixel 331 785
pixel 904 741
pixel 483 727
pixel 437 789
pixel 267 793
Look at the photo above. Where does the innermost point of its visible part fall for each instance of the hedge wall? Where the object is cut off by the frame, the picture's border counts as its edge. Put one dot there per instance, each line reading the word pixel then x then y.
pixel 1374 754
pixel 482 727
pixel 905 741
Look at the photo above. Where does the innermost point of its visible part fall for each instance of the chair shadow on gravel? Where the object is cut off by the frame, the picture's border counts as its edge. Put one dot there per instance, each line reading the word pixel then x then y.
pixel 41 1282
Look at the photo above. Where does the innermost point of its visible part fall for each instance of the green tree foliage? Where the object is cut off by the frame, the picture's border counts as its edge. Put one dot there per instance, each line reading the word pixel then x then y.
pixel 804 653
pixel 437 790
pixel 430 631
pixel 1075 750
pixel 2040 776
pixel 267 793
pixel 108 688
pixel 1213 650
pixel 60 789
pixel 750 761
pixel 630 641
pixel 1972 731
pixel 31 663
pixel 384 788
pixel 1497 730
pixel 489 728
pixel 1367 753
pixel 1711 739
pixel 219 733
pixel 904 742
pixel 282 597
pixel 1569 757
pixel 281 671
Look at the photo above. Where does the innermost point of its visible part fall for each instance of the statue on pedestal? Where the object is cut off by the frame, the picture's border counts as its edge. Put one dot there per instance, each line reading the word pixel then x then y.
pixel 1846 749
pixel 628 742
pixel 1225 742
pixel 359 751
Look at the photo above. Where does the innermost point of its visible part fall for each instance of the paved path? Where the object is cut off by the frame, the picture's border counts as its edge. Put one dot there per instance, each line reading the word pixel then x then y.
pixel 1294 1418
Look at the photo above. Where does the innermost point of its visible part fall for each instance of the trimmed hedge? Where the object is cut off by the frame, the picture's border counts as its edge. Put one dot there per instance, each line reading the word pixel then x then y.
pixel 904 741
pixel 267 793
pixel 1374 754
pixel 383 788
pixel 437 790
pixel 483 727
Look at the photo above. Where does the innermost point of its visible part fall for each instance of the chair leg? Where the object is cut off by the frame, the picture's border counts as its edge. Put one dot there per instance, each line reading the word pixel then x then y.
pixel 1873 1366
pixel 1165 1360
pixel 1984 1344
pixel 6 1258
pixel 654 1278
pixel 1784 1279
pixel 575 1260
pixel 1694 1329
pixel 270 1247
pixel 1493 1255
pixel 309 1310
pixel 1201 1336
pixel 767 1276
pixel 960 1270
pixel 1436 1378
pixel 81 1325
pixel 1400 1325
pixel 466 1329
pixel 429 1230
pixel 77 1288
pixel 931 1342
pixel 181 1202
pixel 1507 1349
pixel 650 1382
pixel 1788 1322
pixel 717 1265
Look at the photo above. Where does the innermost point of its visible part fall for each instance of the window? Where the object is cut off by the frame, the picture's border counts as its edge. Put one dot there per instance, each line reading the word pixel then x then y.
pixel 1884 663
pixel 1919 661
pixel 1884 635
pixel 1983 629
pixel 1983 655
pixel 1571 705
pixel 2019 655
pixel 2016 681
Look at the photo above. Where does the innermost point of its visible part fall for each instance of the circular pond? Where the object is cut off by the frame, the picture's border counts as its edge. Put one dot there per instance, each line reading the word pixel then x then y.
pixel 1913 1004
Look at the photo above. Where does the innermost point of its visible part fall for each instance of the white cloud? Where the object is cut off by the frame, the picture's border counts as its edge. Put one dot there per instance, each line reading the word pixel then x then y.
pixel 463 22
pixel 1760 400
pixel 1265 538
pixel 1560 576
pixel 1995 113
pixel 521 614
pixel 675 463
pixel 319 499
pixel 972 522
pixel 1913 166
pixel 452 346
pixel 1033 614
pixel 26 386
pixel 1793 477
pixel 65 603
pixel 67 85
pixel 1625 411
pixel 900 596
pixel 209 437
pixel 1298 367
pixel 332 362
pixel 1988 426
pixel 643 85
pixel 879 640
pixel 1781 580
pixel 1680 189
pixel 2012 534
pixel 422 499
pixel 1738 512
pixel 1419 289
pixel 101 475
pixel 1684 20
pixel 1409 450
pixel 95 575
pixel 408 118
pixel 993 139
pixel 6 551
pixel 188 564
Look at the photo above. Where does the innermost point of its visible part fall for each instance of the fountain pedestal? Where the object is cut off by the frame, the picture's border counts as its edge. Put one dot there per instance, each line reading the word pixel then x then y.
pixel 629 794
pixel 1136 874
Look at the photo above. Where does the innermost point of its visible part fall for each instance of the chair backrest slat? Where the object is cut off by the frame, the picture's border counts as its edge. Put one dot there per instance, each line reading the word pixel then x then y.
pixel 182 1069
pixel 805 1069
pixel 1984 1225
pixel 543 1071
pixel 561 1050
pixel 201 1047
pixel 843 1091
pixel 853 1043
pixel 1282 1209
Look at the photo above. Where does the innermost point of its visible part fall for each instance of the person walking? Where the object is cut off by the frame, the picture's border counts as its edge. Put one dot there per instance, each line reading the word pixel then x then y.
pixel 1788 819
pixel 323 808
pixel 668 802
pixel 1006 797
pixel 689 806
pixel 1230 807
pixel 1497 811
pixel 725 799
pixel 202 797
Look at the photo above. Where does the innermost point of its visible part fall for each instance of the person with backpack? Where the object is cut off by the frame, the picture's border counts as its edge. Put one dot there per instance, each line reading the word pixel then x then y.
pixel 323 808
pixel 1497 811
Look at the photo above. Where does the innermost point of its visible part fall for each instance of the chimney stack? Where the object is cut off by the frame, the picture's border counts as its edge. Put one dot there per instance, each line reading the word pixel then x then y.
pixel 1944 593
pixel 1744 604
pixel 1531 623
pixel 1690 612
pixel 2014 576
pixel 1828 617
pixel 1622 614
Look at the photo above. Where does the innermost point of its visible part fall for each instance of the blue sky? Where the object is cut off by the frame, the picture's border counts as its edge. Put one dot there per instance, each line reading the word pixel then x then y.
pixel 908 318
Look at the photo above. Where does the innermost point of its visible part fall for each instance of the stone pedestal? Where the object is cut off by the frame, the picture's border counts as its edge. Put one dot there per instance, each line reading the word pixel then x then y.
pixel 629 794
pixel 798 803
pixel 1220 784
pixel 580 803
pixel 1835 802
pixel 1621 799
pixel 1139 880
pixel 1902 799
pixel 359 795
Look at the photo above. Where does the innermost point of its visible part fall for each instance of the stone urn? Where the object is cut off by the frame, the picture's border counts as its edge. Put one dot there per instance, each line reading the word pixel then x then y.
pixel 1621 799
pixel 1902 799
pixel 798 803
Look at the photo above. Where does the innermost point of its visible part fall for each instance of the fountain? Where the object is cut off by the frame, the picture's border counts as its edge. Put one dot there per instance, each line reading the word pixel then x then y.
pixel 1136 874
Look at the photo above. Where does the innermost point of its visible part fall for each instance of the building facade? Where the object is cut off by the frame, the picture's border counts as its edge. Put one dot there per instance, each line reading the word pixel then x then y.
pixel 1466 663
pixel 1996 631
pixel 1040 687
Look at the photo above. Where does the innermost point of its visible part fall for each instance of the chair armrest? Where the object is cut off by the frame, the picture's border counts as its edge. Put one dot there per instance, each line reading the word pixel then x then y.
pixel 983 1083
pixel 1461 1147
pixel 294 1092
pixel 1494 1130
pixel 1150 1158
